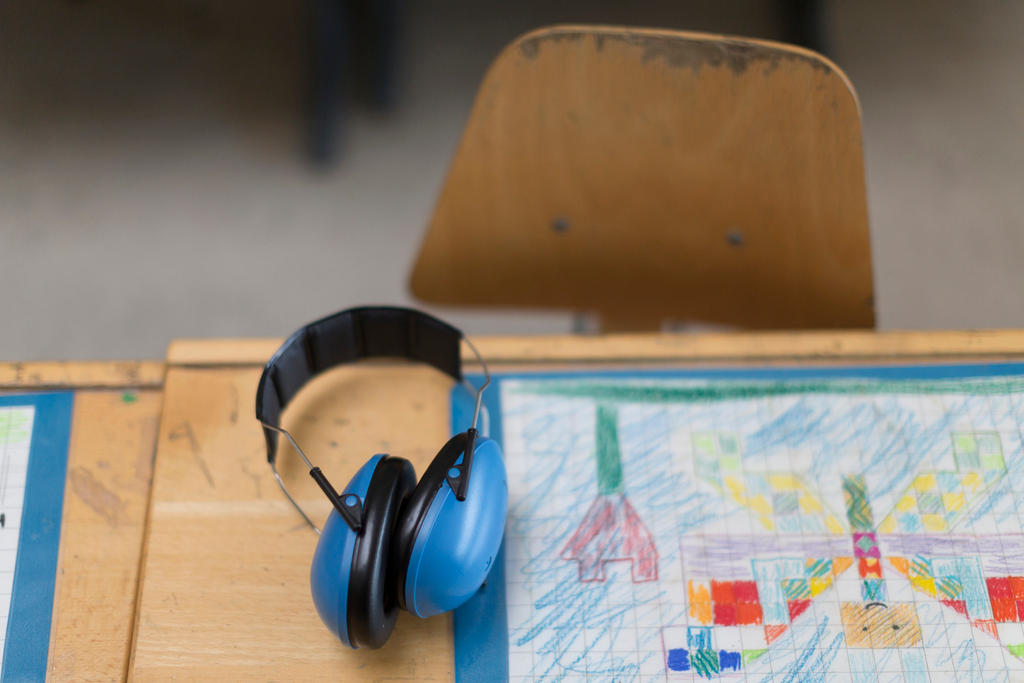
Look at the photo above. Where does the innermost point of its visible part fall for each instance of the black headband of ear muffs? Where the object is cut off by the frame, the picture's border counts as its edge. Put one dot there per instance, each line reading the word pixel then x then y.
pixel 344 337
pixel 348 336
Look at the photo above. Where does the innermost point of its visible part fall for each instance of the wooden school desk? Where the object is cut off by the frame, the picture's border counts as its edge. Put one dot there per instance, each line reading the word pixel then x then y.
pixel 179 557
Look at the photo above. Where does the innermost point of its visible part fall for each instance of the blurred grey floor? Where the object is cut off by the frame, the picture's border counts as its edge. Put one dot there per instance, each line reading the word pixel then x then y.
pixel 152 183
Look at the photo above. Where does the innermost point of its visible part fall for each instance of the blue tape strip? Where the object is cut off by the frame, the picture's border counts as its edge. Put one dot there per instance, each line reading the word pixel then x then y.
pixel 28 627
pixel 481 625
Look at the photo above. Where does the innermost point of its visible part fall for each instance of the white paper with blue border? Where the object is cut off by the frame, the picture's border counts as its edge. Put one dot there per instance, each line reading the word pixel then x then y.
pixel 34 434
pixel 940 402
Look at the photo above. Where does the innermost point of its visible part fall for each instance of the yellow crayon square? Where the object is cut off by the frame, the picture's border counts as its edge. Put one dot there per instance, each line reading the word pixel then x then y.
pixel 906 504
pixel 924 482
pixel 783 482
pixel 735 487
pixel 934 522
pixel 760 505
pixel 971 481
pixel 833 525
pixel 888 525
pixel 819 584
pixel 953 501
pixel 925 584
pixel 809 504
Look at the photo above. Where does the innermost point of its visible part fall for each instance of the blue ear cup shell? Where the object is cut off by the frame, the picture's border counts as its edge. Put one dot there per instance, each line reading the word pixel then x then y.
pixel 457 541
pixel 332 560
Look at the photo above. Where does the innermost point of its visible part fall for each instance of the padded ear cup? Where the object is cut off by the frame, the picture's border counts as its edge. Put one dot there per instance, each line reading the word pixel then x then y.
pixel 415 509
pixel 456 541
pixel 372 606
pixel 332 559
pixel 342 557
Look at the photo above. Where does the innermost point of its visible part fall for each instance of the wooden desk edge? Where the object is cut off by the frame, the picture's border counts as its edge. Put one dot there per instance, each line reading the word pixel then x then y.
pixel 613 348
pixel 672 347
pixel 39 375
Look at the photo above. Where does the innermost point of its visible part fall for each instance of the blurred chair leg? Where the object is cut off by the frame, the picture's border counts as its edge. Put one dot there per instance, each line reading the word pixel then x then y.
pixel 377 47
pixel 807 24
pixel 326 95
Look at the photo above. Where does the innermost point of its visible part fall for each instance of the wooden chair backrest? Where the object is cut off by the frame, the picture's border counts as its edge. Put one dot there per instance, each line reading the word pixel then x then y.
pixel 653 174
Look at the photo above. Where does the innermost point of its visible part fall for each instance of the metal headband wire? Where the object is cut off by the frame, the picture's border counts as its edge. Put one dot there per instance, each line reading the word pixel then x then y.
pixel 280 482
pixel 478 407
pixel 480 390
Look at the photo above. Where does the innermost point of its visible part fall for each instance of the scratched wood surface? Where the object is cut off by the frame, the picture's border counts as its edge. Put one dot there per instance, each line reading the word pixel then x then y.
pixel 110 458
pixel 81 374
pixel 226 589
pixel 651 174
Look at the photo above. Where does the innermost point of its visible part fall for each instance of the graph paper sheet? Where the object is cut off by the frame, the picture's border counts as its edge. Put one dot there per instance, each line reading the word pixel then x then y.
pixel 774 525
pixel 15 439
pixel 33 459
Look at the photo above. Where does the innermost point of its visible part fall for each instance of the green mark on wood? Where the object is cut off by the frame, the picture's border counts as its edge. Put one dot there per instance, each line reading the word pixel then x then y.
pixel 858 512
pixel 609 459
pixel 129 397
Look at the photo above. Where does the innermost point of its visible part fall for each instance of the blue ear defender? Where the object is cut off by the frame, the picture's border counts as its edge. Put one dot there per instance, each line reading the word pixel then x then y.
pixel 391 542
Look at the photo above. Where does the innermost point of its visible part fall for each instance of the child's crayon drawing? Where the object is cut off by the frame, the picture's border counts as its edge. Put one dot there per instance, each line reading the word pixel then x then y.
pixel 841 529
